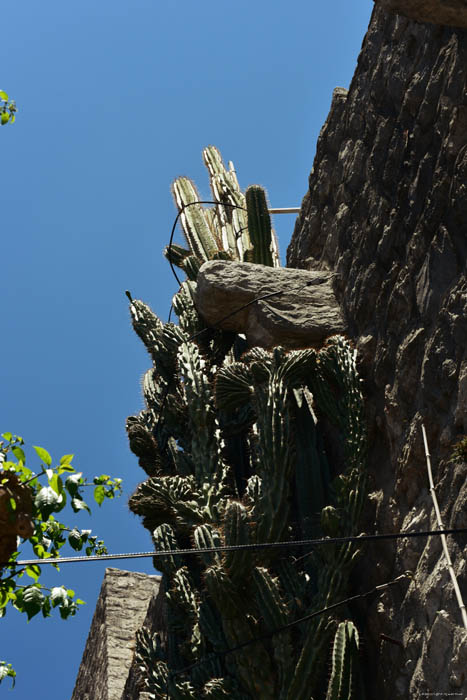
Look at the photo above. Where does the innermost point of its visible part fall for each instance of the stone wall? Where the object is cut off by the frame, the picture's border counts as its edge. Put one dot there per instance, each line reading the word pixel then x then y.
pixel 386 210
pixel 450 12
pixel 121 609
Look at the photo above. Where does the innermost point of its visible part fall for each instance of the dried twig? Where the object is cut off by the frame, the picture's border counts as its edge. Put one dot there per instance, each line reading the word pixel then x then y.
pixel 443 537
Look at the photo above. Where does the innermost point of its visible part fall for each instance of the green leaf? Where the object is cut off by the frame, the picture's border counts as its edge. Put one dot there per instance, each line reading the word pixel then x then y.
pixel 46 607
pixel 56 483
pixel 43 455
pixel 46 497
pixel 7 670
pixel 12 118
pixel 58 596
pixel 73 482
pixel 33 571
pixel 48 501
pixel 75 540
pixel 5 118
pixel 65 468
pixel 7 436
pixel 78 504
pixel 4 597
pixel 3 95
pixel 12 503
pixel 33 599
pixel 66 459
pixel 40 551
pixel 67 609
pixel 19 453
pixel 102 479
pixel 99 495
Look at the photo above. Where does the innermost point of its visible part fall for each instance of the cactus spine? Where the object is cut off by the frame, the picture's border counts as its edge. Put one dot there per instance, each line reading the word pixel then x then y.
pixel 235 453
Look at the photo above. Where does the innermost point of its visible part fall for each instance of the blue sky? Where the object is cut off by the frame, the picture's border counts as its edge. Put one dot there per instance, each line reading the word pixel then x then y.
pixel 115 100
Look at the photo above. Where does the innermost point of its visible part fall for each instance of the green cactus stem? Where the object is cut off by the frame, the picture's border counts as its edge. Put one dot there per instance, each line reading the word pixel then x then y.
pixel 236 450
pixel 259 226
pixel 344 658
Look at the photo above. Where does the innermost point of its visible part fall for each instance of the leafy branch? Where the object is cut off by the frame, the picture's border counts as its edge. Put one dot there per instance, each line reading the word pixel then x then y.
pixel 7 114
pixel 28 508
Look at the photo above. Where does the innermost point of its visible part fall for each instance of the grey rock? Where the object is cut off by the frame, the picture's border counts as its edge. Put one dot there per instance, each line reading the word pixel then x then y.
pixel 394 231
pixel 301 310
pixel 121 609
pixel 450 12
pixel 154 623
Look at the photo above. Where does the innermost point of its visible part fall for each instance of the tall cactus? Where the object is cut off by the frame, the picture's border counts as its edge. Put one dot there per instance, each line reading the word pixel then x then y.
pixel 236 450
pixel 238 227
pixel 259 227
pixel 344 660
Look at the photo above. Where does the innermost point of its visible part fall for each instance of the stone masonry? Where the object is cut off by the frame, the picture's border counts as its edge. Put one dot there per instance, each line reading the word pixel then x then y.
pixel 386 210
pixel 121 609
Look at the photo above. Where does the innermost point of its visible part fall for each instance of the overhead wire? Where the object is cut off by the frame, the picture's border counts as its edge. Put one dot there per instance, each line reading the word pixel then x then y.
pixel 289 625
pixel 238 547
pixel 182 209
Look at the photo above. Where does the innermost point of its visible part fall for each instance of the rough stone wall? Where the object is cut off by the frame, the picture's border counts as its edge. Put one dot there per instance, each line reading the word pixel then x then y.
pixel 387 210
pixel 155 622
pixel 108 655
pixel 451 12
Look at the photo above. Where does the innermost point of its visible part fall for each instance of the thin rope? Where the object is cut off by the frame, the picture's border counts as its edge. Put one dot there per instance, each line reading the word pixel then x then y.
pixel 237 547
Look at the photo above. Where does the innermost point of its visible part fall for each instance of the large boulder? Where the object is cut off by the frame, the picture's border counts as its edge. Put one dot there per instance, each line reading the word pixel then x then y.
pixel 271 306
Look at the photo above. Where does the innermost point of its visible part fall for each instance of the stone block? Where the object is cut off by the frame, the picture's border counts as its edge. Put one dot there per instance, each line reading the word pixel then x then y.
pixel 301 310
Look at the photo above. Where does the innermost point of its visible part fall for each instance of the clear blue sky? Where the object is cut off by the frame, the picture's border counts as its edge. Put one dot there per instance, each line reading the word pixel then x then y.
pixel 115 100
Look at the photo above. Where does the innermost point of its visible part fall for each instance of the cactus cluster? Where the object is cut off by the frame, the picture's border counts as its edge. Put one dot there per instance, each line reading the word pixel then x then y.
pixel 245 446
pixel 237 228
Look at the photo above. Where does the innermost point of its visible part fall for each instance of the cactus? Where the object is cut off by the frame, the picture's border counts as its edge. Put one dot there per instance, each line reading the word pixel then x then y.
pixel 237 227
pixel 234 447
pixel 344 658
pixel 259 227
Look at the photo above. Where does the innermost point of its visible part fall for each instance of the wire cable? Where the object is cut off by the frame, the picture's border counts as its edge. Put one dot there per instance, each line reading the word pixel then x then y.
pixel 190 204
pixel 306 618
pixel 237 547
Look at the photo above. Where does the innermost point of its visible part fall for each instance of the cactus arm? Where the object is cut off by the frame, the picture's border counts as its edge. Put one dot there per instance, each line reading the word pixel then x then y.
pixel 236 526
pixel 206 537
pixel 344 657
pixel 232 219
pixel 164 539
pixel 259 225
pixel 184 307
pixel 233 386
pixel 194 222
pixel 204 428
pixel 275 458
pixel 310 473
pixel 176 254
